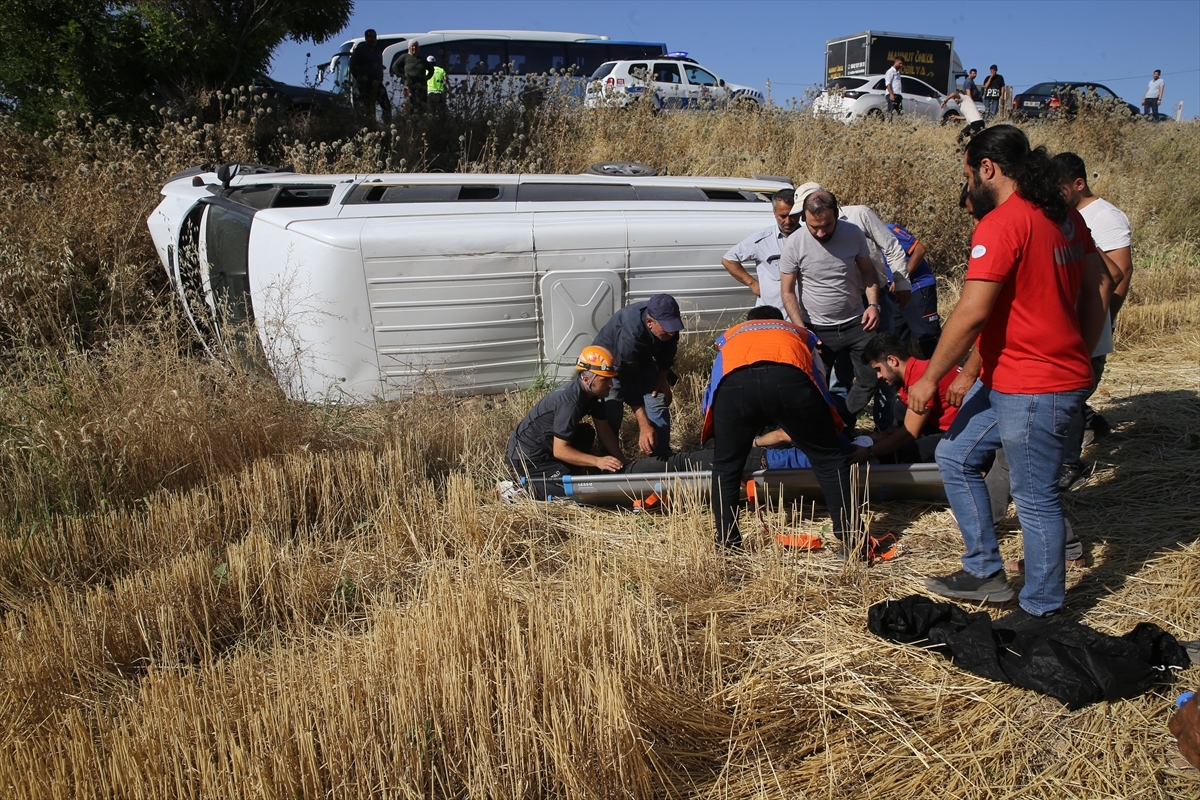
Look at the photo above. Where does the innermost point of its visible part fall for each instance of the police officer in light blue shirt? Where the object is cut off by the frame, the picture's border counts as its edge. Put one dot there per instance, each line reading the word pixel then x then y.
pixel 762 249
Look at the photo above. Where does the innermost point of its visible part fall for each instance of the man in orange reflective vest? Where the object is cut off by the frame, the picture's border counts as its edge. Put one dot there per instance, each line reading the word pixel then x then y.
pixel 764 375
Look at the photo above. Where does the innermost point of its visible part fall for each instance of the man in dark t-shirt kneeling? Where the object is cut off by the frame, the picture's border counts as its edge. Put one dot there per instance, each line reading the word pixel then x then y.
pixel 552 440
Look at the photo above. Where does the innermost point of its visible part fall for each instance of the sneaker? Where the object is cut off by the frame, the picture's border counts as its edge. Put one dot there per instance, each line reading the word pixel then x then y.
pixel 965 586
pixel 1071 476
pixel 509 492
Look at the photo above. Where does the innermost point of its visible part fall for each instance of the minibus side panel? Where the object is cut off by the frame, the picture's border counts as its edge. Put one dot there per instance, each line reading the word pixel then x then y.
pixel 581 264
pixel 452 301
pixel 680 254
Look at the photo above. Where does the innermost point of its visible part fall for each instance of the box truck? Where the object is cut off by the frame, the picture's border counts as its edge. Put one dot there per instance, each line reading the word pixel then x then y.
pixel 930 58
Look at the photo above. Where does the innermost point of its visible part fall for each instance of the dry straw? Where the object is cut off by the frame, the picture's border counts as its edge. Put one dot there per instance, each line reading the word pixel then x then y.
pixel 208 591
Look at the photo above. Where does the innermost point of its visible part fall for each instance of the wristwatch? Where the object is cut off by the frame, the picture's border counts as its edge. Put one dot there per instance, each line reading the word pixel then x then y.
pixel 875 306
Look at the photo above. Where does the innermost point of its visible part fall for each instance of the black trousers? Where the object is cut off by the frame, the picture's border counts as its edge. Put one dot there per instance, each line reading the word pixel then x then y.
pixel 543 480
pixel 849 337
pixel 418 97
pixel 750 399
pixel 371 93
pixel 689 461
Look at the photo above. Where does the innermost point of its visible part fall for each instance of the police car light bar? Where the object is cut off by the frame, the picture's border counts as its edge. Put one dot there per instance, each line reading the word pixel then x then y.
pixel 680 54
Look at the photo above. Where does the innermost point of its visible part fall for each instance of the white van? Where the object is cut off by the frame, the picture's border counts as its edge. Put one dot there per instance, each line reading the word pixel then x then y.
pixel 373 286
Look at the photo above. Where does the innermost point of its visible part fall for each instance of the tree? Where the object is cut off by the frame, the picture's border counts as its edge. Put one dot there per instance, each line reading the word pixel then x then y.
pixel 117 58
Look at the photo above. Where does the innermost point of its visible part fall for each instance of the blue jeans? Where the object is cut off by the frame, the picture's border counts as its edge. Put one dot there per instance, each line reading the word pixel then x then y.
pixel 991 106
pixel 657 410
pixel 1032 429
pixel 1073 453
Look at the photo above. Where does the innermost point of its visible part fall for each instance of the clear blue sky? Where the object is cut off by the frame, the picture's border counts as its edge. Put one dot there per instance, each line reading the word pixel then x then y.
pixel 1116 43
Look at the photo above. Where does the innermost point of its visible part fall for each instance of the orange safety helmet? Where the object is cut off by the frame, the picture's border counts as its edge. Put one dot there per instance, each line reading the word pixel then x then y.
pixel 597 359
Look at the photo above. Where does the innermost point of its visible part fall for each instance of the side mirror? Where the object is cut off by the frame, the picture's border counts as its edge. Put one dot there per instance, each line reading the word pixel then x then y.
pixel 226 173
pixel 721 81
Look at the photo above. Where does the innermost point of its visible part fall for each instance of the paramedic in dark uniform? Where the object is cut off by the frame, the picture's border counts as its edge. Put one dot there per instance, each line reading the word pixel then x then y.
pixel 762 249
pixel 552 440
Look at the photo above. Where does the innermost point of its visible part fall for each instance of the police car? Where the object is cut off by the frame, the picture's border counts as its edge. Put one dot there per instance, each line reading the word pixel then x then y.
pixel 670 81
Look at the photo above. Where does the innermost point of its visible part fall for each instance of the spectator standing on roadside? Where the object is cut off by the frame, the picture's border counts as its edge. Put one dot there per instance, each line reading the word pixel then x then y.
pixel 415 72
pixel 1154 94
pixel 828 259
pixel 1033 302
pixel 763 249
pixel 992 86
pixel 891 81
pixel 1111 231
pixel 366 68
pixel 969 88
pixel 436 86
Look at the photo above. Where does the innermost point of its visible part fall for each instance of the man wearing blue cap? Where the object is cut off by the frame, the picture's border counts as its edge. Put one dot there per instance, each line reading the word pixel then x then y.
pixel 644 337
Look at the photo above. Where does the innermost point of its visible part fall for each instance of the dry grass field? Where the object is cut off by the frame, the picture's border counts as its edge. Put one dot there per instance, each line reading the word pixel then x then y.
pixel 207 591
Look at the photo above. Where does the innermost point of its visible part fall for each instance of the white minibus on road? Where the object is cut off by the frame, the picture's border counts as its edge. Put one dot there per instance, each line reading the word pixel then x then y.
pixel 509 53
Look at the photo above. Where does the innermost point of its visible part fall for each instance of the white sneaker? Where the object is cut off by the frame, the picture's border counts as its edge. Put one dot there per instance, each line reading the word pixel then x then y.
pixel 509 492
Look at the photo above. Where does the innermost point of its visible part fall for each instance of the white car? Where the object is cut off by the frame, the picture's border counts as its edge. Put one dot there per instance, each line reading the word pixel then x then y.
pixel 671 81
pixel 853 98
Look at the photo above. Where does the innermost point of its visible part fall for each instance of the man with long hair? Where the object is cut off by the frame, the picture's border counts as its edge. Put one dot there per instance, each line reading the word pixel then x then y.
pixel 1033 303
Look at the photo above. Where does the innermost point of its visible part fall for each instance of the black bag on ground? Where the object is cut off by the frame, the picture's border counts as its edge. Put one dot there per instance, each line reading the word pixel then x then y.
pixel 1066 660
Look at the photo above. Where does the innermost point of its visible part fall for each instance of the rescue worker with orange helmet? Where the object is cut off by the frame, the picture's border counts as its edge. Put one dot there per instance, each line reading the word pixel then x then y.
pixel 553 440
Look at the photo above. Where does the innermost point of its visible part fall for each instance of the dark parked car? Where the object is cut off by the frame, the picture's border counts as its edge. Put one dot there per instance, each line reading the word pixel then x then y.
pixel 1051 97
pixel 292 99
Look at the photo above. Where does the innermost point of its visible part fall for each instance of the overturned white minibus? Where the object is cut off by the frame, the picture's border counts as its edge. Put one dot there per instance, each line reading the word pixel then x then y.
pixel 360 287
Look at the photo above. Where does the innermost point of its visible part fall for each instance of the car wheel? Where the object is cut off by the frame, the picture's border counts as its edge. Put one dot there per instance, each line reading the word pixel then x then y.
pixel 874 113
pixel 745 104
pixel 952 116
pixel 624 169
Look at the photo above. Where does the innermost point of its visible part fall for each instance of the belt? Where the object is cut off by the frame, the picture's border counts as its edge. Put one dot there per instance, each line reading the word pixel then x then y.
pixel 844 326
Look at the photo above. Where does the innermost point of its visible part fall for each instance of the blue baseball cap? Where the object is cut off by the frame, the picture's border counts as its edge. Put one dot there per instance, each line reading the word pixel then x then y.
pixel 665 311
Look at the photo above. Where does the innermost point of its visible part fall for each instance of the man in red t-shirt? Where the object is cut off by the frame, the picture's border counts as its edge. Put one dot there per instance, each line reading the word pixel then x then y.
pixel 914 440
pixel 1033 303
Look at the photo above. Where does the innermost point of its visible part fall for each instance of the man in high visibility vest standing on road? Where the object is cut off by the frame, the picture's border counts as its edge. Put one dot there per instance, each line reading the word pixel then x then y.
pixel 436 87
